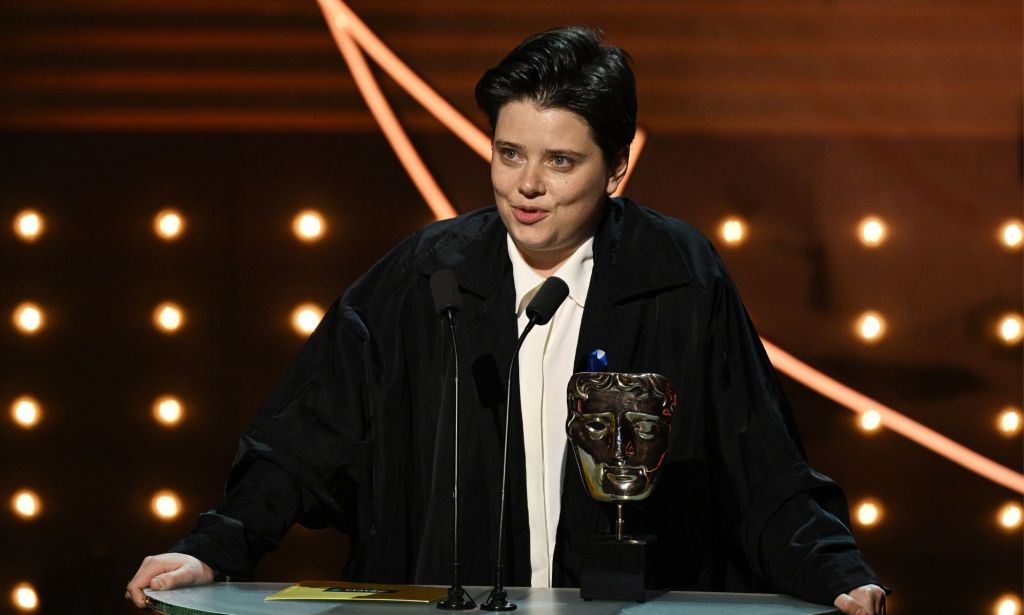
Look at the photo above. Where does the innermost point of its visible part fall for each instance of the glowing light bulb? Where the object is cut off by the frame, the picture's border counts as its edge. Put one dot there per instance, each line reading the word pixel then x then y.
pixel 870 420
pixel 28 318
pixel 24 598
pixel 26 411
pixel 168 410
pixel 1010 516
pixel 1011 329
pixel 168 317
pixel 29 225
pixel 1011 234
pixel 870 326
pixel 869 513
pixel 872 231
pixel 1007 605
pixel 169 224
pixel 308 225
pixel 1010 421
pixel 26 504
pixel 306 317
pixel 733 231
pixel 166 505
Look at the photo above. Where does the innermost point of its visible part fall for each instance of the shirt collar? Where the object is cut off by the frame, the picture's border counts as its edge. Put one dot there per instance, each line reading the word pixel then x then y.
pixel 575 271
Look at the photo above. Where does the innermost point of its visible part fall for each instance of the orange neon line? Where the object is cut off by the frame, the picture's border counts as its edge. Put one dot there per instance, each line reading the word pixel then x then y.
pixel 901 424
pixel 389 124
pixel 339 14
pixel 639 140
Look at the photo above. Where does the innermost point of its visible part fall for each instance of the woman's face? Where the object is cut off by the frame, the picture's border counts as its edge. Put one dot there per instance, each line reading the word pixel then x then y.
pixel 550 181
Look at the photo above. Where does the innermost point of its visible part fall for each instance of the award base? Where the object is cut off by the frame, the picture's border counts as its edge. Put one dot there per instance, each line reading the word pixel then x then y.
pixel 614 569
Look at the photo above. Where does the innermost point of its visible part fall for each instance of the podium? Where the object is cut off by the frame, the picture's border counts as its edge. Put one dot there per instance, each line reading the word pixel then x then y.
pixel 247 599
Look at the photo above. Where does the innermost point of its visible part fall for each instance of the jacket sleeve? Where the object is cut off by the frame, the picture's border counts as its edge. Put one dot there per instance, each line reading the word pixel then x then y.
pixel 249 521
pixel 790 522
pixel 304 458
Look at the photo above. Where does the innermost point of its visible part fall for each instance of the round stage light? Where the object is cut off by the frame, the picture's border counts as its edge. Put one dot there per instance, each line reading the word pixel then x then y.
pixel 308 225
pixel 24 597
pixel 1010 516
pixel 29 318
pixel 1011 329
pixel 733 230
pixel 166 505
pixel 870 420
pixel 168 317
pixel 29 225
pixel 26 504
pixel 306 317
pixel 1010 421
pixel 1007 605
pixel 870 326
pixel 1011 234
pixel 872 231
pixel 168 410
pixel 169 224
pixel 869 513
pixel 26 411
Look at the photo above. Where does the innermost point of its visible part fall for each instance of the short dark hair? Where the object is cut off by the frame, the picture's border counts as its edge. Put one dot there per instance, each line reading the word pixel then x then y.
pixel 569 68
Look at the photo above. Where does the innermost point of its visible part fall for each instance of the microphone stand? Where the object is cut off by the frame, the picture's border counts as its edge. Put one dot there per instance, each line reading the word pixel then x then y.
pixel 457 599
pixel 497 600
pixel 540 311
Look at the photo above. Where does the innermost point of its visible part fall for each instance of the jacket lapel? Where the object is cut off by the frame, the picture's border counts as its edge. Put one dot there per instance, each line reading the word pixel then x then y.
pixel 633 258
pixel 476 251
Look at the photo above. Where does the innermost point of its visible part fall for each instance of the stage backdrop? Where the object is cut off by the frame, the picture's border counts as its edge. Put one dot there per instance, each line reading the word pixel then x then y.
pixel 799 119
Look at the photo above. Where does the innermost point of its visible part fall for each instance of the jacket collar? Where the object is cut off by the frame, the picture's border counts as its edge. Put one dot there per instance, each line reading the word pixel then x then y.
pixel 634 253
pixel 473 247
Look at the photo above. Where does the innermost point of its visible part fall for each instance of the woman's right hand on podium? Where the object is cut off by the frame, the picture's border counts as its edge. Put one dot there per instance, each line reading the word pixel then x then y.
pixel 166 571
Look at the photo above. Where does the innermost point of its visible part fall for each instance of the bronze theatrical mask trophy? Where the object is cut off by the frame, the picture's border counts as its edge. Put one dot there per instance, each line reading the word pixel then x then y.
pixel 620 427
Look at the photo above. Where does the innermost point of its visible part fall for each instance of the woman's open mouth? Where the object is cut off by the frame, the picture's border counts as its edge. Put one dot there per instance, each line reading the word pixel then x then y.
pixel 528 215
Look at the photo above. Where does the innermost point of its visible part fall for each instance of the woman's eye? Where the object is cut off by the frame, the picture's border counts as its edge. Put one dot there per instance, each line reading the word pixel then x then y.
pixel 508 153
pixel 561 161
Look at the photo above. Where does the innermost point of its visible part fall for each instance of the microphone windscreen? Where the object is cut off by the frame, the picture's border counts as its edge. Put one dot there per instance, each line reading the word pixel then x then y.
pixel 445 290
pixel 545 303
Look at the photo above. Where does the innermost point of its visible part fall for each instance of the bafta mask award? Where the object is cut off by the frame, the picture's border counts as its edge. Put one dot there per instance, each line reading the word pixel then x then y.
pixel 620 427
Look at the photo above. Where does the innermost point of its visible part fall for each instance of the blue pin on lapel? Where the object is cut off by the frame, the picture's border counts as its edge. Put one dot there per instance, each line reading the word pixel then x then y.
pixel 597 361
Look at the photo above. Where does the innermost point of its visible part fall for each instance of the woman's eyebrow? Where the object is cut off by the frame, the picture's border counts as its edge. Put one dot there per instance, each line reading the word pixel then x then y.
pixel 565 152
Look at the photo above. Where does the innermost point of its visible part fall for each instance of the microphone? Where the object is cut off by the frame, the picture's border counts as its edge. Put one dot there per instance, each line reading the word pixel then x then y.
pixel 540 310
pixel 447 301
pixel 445 291
pixel 546 302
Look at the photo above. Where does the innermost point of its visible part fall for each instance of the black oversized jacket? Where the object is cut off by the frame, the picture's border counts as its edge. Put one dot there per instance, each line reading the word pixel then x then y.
pixel 358 435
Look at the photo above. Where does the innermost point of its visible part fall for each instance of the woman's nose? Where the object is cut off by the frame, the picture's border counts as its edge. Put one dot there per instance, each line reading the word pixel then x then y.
pixel 531 183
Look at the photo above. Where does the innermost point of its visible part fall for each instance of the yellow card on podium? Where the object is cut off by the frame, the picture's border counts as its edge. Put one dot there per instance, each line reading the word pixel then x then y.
pixel 345 590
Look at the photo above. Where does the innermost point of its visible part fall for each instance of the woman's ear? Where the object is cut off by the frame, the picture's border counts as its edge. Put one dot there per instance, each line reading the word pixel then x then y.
pixel 618 171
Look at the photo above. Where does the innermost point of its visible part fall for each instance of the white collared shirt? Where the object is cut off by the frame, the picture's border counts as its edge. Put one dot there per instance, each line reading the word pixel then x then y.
pixel 546 362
